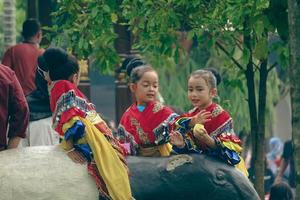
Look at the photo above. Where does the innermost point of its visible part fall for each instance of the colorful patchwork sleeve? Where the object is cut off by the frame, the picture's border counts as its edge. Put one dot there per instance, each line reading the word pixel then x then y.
pixel 181 124
pixel 228 148
pixel 66 102
pixel 162 132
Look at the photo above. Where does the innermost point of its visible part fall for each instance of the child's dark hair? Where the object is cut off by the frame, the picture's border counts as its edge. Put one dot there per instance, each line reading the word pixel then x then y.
pixel 138 72
pixel 281 191
pixel 207 75
pixel 30 28
pixel 61 65
pixel 129 64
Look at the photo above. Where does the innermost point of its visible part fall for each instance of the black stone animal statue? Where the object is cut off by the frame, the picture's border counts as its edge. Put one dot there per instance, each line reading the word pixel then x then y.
pixel 46 173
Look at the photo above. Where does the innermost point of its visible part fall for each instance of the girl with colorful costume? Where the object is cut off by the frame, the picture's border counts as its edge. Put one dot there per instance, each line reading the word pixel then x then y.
pixel 144 126
pixel 85 135
pixel 215 136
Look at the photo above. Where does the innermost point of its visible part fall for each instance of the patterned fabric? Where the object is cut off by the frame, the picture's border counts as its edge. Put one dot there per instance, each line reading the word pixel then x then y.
pixel 220 128
pixel 76 120
pixel 146 129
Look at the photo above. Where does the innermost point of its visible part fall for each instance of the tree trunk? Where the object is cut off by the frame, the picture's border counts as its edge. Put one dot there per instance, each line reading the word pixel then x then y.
pixel 9 23
pixel 260 142
pixel 294 72
pixel 257 132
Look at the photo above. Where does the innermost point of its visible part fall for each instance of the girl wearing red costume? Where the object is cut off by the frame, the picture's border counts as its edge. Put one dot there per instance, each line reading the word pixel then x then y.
pixel 143 128
pixel 215 136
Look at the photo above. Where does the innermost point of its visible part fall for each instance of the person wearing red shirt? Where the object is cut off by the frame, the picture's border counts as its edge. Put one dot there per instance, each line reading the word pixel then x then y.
pixel 13 110
pixel 22 58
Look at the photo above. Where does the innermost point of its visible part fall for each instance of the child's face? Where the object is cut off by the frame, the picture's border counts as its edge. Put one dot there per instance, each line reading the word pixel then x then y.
pixel 199 93
pixel 146 88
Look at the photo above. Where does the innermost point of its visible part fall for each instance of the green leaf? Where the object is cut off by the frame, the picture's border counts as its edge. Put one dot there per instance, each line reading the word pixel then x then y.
pixel 246 55
pixel 94 12
pixel 259 28
pixel 106 8
pixel 114 17
pixel 261 49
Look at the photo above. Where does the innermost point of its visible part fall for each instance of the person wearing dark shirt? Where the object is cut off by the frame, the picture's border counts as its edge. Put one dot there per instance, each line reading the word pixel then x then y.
pixel 287 160
pixel 268 176
pixel 40 130
pixel 14 114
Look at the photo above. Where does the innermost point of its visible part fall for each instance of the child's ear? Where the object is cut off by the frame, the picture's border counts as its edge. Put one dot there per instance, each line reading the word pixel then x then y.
pixel 74 79
pixel 132 87
pixel 213 92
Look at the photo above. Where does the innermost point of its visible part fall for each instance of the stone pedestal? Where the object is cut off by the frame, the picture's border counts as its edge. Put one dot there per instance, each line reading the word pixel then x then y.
pixel 123 99
pixel 85 88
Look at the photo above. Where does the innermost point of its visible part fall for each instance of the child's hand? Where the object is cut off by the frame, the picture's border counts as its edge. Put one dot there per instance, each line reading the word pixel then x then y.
pixel 199 132
pixel 202 117
pixel 177 139
pixel 76 156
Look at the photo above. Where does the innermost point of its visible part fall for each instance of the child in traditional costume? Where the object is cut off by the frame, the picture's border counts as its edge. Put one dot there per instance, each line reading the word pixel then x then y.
pixel 215 136
pixel 144 126
pixel 85 135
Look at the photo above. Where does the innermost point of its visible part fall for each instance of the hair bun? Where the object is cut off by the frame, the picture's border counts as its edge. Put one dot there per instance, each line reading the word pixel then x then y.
pixel 216 74
pixel 129 64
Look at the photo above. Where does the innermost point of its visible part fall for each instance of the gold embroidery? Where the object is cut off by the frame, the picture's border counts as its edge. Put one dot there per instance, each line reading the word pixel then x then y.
pixel 93 117
pixel 217 111
pixel 142 135
pixel 157 107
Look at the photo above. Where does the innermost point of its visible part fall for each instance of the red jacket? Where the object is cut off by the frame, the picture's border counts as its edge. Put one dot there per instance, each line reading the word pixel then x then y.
pixel 13 107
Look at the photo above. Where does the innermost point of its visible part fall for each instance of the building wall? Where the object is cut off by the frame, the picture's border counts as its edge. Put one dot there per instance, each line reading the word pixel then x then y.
pixel 282 126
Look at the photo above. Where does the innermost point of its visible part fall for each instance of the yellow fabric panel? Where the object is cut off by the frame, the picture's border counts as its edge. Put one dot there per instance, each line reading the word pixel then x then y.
pixel 242 167
pixel 110 167
pixel 232 146
pixel 66 145
pixel 165 149
pixel 237 148
pixel 70 123
pixel 93 117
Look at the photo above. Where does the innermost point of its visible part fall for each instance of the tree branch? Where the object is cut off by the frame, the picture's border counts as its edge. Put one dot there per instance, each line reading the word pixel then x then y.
pixel 230 56
pixel 270 68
